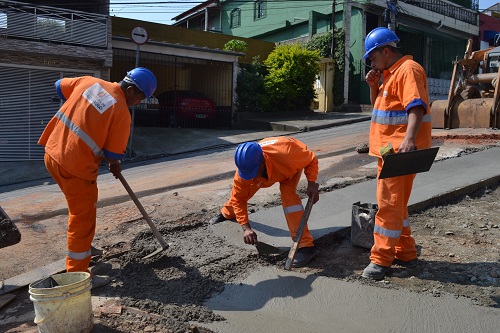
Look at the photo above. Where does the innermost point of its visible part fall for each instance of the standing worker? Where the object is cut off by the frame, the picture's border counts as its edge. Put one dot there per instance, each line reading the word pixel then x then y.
pixel 260 165
pixel 401 117
pixel 92 124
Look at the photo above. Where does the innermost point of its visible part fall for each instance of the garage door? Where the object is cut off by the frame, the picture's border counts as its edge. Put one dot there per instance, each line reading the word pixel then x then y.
pixel 28 100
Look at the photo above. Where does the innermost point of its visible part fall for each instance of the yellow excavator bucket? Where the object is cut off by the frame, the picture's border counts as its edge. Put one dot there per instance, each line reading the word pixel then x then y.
pixel 468 113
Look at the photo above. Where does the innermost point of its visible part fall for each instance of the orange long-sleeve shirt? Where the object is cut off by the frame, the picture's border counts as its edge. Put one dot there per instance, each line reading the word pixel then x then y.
pixel 284 157
pixel 93 122
pixel 404 86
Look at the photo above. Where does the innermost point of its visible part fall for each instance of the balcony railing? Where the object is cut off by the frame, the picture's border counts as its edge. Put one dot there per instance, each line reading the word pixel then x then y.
pixel 446 8
pixel 49 24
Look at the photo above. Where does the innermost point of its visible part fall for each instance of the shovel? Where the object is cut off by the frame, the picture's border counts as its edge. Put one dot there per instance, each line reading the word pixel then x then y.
pixel 156 233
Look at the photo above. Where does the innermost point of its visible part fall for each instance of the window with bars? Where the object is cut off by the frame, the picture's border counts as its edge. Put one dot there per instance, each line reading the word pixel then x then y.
pixel 3 20
pixel 235 18
pixel 260 9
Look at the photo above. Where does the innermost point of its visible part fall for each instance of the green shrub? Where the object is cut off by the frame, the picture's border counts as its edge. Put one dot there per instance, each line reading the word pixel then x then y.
pixel 236 45
pixel 292 72
pixel 322 43
pixel 250 92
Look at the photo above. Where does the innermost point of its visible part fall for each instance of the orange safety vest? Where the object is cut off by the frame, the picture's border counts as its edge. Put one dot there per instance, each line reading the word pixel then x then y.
pixel 284 158
pixel 404 86
pixel 93 122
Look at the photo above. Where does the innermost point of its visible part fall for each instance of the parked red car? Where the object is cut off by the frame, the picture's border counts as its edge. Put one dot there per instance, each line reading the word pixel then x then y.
pixel 186 107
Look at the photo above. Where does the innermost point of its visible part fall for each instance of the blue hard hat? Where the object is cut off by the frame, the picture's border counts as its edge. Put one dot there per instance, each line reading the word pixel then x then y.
pixel 144 79
pixel 379 37
pixel 247 158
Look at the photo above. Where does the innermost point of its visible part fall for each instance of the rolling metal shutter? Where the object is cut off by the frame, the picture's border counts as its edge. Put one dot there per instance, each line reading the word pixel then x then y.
pixel 28 101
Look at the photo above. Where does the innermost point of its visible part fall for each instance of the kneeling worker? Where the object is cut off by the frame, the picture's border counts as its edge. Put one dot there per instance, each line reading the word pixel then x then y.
pixel 260 165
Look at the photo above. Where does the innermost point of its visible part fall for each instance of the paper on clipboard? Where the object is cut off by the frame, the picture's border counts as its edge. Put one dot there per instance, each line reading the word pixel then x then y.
pixel 411 162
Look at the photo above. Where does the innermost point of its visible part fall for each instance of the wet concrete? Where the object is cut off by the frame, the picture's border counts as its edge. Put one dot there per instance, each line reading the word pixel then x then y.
pixel 273 300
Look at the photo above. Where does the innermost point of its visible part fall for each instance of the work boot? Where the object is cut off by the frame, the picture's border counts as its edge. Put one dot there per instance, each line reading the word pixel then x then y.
pixel 217 219
pixel 375 272
pixel 407 264
pixel 303 256
pixel 100 281
pixel 95 251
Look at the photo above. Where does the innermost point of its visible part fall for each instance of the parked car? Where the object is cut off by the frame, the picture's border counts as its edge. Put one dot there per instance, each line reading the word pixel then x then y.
pixel 186 108
pixel 147 113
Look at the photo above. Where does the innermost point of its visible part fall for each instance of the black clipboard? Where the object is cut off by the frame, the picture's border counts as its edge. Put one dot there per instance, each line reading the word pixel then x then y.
pixel 408 163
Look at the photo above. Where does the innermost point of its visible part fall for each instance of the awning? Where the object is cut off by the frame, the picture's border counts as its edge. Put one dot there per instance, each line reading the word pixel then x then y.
pixel 417 27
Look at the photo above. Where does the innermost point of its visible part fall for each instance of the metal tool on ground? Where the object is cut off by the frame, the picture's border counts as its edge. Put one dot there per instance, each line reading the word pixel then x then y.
pixel 298 235
pixel 9 233
pixel 156 233
pixel 265 249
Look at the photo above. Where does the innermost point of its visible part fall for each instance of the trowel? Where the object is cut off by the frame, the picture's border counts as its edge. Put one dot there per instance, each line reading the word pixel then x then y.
pixel 266 249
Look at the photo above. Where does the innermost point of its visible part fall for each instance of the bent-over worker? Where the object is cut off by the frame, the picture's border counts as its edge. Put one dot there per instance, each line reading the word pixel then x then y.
pixel 93 124
pixel 260 165
pixel 401 117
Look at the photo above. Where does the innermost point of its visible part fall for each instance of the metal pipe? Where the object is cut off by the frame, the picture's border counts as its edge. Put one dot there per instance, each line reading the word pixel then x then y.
pixel 481 78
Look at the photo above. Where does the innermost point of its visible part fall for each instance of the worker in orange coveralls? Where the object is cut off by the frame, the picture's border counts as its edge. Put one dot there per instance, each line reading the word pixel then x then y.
pixel 93 124
pixel 260 165
pixel 401 117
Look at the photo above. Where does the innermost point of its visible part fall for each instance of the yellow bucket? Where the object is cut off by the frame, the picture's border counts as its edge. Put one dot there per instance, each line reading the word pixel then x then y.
pixel 63 303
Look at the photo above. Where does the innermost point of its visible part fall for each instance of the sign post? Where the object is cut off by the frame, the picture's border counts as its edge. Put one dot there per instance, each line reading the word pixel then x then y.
pixel 139 36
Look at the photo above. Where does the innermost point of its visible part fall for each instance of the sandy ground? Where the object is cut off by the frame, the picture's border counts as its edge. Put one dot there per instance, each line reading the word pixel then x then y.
pixel 458 243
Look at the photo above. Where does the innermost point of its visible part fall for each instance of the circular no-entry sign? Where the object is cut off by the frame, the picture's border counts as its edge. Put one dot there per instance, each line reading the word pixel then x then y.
pixel 139 35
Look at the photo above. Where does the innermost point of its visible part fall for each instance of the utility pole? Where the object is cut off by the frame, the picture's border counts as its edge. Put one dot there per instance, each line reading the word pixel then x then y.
pixel 332 48
pixel 390 14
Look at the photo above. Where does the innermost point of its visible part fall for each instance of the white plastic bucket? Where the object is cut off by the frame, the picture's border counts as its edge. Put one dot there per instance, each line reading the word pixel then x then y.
pixel 65 308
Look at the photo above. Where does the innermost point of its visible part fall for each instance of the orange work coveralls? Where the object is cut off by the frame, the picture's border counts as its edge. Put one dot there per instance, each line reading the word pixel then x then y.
pixel 285 158
pixel 93 122
pixel 404 86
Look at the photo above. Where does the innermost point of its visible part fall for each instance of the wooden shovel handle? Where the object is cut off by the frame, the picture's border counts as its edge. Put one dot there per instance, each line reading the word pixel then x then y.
pixel 156 233
pixel 298 235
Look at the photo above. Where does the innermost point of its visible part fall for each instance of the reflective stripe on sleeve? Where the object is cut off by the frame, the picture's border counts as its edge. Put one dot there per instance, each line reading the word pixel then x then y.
pixel 390 117
pixel 406 223
pixel 293 209
pixel 395 117
pixel 79 255
pixel 386 232
pixel 79 133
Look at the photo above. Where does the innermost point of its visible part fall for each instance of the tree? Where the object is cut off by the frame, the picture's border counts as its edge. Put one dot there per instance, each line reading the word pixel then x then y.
pixel 292 71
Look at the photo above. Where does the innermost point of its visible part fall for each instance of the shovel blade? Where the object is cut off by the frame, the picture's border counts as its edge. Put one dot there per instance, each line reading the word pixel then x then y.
pixel 157 251
pixel 264 249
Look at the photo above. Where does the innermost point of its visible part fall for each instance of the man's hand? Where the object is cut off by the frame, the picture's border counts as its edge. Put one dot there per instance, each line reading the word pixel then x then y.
pixel 415 115
pixel 249 236
pixel 115 168
pixel 373 77
pixel 313 191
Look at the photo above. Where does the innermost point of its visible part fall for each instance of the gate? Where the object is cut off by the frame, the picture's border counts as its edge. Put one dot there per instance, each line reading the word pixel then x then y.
pixel 191 92
pixel 28 100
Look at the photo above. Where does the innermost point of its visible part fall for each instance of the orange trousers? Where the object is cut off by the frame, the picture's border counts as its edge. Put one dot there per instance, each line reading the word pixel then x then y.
pixel 81 197
pixel 292 207
pixel 392 232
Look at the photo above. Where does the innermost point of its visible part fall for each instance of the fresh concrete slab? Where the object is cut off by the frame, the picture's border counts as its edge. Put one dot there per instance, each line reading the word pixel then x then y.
pixel 274 300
